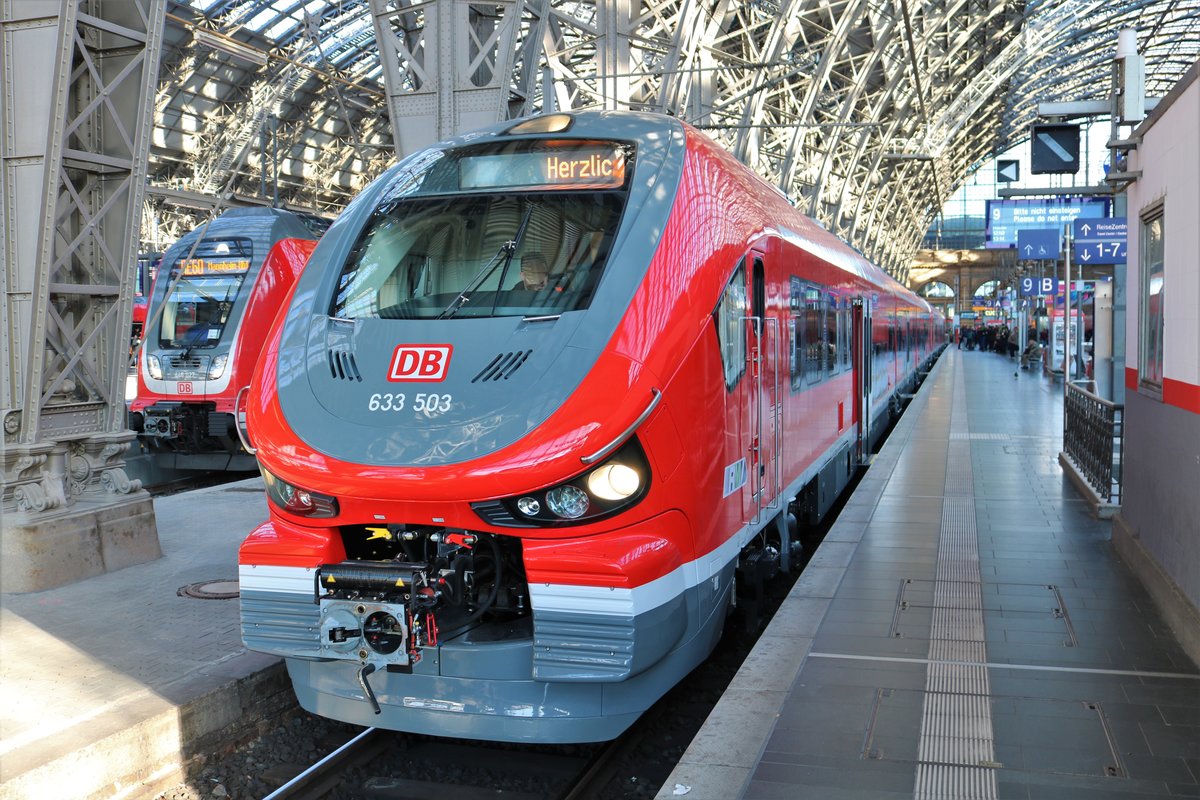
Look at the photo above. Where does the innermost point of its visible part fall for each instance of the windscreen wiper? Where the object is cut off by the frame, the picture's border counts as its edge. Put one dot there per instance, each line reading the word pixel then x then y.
pixel 507 250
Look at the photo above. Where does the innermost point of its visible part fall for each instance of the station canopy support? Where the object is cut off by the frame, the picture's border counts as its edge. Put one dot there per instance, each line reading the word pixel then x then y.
pixel 80 80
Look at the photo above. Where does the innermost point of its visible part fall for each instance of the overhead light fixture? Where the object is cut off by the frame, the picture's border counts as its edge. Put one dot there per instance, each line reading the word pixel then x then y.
pixel 230 47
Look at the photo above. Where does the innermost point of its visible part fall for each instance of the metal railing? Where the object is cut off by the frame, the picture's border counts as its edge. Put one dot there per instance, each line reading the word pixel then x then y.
pixel 1093 437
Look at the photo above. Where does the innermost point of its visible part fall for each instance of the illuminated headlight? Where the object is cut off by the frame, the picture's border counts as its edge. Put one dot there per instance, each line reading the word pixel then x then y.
pixel 601 492
pixel 217 368
pixel 301 502
pixel 614 481
pixel 154 367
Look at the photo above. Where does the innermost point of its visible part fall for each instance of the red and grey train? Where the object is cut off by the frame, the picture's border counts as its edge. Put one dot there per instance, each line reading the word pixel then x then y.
pixel 538 394
pixel 205 327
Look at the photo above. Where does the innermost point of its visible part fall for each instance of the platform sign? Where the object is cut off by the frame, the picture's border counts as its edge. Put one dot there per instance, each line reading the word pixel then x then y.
pixel 1006 217
pixel 1100 241
pixel 1007 170
pixel 1054 149
pixel 1039 243
pixel 1038 287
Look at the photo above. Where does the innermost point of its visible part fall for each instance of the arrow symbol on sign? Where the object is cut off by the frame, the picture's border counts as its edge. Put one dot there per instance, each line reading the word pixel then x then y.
pixel 1086 255
pixel 1028 249
pixel 1055 147
pixel 1085 229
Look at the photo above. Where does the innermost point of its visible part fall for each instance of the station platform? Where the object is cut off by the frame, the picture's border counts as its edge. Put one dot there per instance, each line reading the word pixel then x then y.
pixel 965 630
pixel 110 686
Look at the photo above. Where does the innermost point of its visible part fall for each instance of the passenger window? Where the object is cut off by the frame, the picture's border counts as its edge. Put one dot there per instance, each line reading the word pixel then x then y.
pixel 829 346
pixel 730 318
pixel 796 309
pixel 814 336
pixel 844 322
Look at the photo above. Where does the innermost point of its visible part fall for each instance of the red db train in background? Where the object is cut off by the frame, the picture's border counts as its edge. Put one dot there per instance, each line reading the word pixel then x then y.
pixel 543 395
pixel 147 268
pixel 214 297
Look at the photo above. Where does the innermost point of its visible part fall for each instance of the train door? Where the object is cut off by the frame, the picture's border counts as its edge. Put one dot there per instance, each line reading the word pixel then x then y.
pixel 863 356
pixel 764 426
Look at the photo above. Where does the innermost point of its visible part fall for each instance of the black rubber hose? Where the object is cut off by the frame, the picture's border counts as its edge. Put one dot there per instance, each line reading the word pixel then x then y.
pixel 487 604
pixel 366 670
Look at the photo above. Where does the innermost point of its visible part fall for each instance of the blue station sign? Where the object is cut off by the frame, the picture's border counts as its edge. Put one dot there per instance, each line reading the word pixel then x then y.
pixel 1007 216
pixel 1100 241
pixel 1037 287
pixel 1039 243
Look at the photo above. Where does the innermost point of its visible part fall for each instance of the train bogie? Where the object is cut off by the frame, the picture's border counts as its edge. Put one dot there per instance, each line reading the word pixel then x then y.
pixel 541 398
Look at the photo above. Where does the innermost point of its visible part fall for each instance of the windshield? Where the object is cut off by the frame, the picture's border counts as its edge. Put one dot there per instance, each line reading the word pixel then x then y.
pixel 459 246
pixel 203 289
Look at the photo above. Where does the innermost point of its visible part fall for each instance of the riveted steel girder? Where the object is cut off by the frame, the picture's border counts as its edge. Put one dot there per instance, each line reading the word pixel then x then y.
pixel 867 113
pixel 78 80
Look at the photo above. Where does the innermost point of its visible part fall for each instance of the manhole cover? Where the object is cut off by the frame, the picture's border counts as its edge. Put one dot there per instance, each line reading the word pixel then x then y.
pixel 210 590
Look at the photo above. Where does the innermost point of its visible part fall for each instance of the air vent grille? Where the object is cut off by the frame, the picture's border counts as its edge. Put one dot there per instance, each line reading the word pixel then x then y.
pixel 343 367
pixel 187 362
pixel 493 512
pixel 502 367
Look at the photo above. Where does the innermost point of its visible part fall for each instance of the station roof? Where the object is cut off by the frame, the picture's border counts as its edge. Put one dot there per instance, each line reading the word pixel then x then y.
pixel 867 113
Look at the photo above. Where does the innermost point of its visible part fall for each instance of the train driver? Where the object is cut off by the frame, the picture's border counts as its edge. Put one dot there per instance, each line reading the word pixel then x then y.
pixel 534 271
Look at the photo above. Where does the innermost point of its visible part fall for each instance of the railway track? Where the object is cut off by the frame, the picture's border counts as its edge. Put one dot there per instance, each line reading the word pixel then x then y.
pixel 325 775
pixel 452 770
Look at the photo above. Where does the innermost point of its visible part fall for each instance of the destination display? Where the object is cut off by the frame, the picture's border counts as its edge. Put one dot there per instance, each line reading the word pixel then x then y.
pixel 201 266
pixel 591 167
pixel 1006 217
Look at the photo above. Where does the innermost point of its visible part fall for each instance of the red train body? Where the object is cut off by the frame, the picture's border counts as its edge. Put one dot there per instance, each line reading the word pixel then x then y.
pixel 205 329
pixel 522 517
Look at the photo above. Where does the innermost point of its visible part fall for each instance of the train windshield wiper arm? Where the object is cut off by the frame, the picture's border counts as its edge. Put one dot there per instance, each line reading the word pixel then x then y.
pixel 508 250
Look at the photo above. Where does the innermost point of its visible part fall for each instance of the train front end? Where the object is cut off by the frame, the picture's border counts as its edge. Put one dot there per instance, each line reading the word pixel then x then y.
pixel 470 533
pixel 212 305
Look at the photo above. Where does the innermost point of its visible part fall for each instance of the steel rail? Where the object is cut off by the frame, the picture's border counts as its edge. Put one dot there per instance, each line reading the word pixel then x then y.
pixel 312 781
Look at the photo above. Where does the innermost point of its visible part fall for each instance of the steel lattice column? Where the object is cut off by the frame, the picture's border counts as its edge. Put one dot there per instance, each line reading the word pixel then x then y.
pixel 78 78
pixel 447 65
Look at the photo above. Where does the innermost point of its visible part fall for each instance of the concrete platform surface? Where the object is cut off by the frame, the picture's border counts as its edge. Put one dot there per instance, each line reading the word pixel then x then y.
pixel 110 685
pixel 966 630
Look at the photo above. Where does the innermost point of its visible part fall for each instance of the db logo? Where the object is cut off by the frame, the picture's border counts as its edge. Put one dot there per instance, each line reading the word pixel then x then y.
pixel 184 387
pixel 420 362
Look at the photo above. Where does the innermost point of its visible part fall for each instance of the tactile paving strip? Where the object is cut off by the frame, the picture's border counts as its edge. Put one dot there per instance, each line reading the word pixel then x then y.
pixel 956 756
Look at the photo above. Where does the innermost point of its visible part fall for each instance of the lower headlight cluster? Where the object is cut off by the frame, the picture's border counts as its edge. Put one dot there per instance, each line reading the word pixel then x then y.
pixel 301 502
pixel 616 484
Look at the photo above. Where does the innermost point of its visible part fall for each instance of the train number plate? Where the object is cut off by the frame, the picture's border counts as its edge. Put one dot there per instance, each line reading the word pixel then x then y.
pixel 421 404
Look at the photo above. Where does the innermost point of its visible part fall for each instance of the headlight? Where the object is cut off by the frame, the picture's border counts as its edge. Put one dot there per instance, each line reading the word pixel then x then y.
pixel 602 491
pixel 614 481
pixel 154 367
pixel 217 368
pixel 301 502
pixel 568 502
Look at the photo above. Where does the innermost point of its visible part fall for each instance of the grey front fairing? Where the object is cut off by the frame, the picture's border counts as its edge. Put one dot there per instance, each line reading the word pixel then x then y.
pixel 343 386
pixel 474 410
